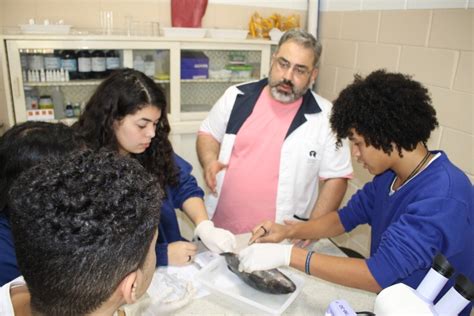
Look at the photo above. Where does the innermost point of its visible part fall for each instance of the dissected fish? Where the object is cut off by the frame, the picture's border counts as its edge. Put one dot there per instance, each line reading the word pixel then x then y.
pixel 268 281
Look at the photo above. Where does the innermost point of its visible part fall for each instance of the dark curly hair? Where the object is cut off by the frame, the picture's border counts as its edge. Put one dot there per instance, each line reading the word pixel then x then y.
pixel 80 225
pixel 125 92
pixel 385 108
pixel 27 144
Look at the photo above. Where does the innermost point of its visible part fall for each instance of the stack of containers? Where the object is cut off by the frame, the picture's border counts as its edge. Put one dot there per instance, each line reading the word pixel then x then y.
pixel 238 66
pixel 194 65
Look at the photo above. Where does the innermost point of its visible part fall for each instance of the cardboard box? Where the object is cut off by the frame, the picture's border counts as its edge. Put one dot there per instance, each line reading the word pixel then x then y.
pixel 194 60
pixel 194 73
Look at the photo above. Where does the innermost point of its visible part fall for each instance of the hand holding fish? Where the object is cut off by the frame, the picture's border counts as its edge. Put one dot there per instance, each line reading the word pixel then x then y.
pixel 268 232
pixel 216 239
pixel 264 257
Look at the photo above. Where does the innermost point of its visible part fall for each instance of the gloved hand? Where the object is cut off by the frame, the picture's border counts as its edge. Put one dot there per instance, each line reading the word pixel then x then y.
pixel 216 239
pixel 264 257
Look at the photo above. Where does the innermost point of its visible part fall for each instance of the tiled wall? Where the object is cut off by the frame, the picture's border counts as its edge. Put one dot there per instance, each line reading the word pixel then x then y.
pixel 435 46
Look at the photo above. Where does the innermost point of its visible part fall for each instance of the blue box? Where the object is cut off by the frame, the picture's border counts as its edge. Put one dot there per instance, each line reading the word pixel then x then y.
pixel 199 73
pixel 194 60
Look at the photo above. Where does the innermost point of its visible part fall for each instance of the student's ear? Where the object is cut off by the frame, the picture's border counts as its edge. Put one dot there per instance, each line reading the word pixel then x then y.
pixel 128 287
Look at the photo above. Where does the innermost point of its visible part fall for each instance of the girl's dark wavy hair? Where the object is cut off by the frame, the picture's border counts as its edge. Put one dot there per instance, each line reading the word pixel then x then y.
pixel 386 109
pixel 125 92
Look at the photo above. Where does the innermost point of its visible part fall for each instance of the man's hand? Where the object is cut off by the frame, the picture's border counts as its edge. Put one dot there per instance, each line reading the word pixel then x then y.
pixel 216 239
pixel 268 232
pixel 264 257
pixel 210 173
pixel 181 253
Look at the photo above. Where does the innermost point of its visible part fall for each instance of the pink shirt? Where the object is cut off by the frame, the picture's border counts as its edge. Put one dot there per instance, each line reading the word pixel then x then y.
pixel 248 194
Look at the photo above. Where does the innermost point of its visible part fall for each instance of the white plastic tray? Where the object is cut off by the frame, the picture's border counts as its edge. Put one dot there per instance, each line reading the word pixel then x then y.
pixel 184 32
pixel 229 289
pixel 227 33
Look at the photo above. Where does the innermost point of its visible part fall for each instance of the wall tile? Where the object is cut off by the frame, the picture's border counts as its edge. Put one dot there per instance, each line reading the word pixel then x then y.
pixel 459 147
pixel 326 78
pixel 375 56
pixel 339 53
pixel 412 31
pixel 452 29
pixel 383 4
pixel 454 109
pixel 464 81
pixel 360 26
pixel 429 65
pixel 344 77
pixel 435 138
pixel 340 5
pixel 330 24
pixel 429 4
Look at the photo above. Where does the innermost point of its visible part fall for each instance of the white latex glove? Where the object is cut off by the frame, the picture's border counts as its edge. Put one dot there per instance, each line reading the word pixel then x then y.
pixel 215 239
pixel 264 256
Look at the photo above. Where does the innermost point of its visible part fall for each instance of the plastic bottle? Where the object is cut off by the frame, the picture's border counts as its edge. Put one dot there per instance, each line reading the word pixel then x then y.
pixel 69 63
pixel 98 64
pixel 31 98
pixel 58 103
pixel 139 63
pixel 149 66
pixel 69 110
pixel 84 64
pixel 112 61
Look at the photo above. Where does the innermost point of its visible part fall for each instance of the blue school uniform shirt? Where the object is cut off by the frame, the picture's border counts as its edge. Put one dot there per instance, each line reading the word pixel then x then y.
pixel 431 213
pixel 8 265
pixel 168 230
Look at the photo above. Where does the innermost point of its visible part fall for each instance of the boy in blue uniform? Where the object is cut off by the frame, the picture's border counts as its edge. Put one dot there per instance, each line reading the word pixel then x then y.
pixel 418 203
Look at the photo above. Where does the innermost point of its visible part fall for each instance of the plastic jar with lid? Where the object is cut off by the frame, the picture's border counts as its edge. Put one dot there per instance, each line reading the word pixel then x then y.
pixel 45 102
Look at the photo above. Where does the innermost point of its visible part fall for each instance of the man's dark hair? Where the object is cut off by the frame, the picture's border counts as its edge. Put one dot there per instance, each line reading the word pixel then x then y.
pixel 385 108
pixel 27 144
pixel 80 225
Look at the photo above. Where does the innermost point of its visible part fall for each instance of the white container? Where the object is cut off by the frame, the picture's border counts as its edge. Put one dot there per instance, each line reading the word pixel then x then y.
pixel 227 33
pixel 184 32
pixel 275 34
pixel 229 289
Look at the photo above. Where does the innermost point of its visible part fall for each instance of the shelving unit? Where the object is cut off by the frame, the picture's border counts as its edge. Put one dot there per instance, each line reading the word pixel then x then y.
pixel 189 99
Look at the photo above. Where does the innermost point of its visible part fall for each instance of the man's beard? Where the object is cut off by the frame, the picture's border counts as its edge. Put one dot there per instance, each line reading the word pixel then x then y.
pixel 284 97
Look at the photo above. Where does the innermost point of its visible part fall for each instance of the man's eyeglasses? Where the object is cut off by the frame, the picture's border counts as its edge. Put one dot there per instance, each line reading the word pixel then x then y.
pixel 299 70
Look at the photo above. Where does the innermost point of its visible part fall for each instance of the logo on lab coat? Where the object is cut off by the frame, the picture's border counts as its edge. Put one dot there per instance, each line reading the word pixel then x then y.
pixel 312 154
